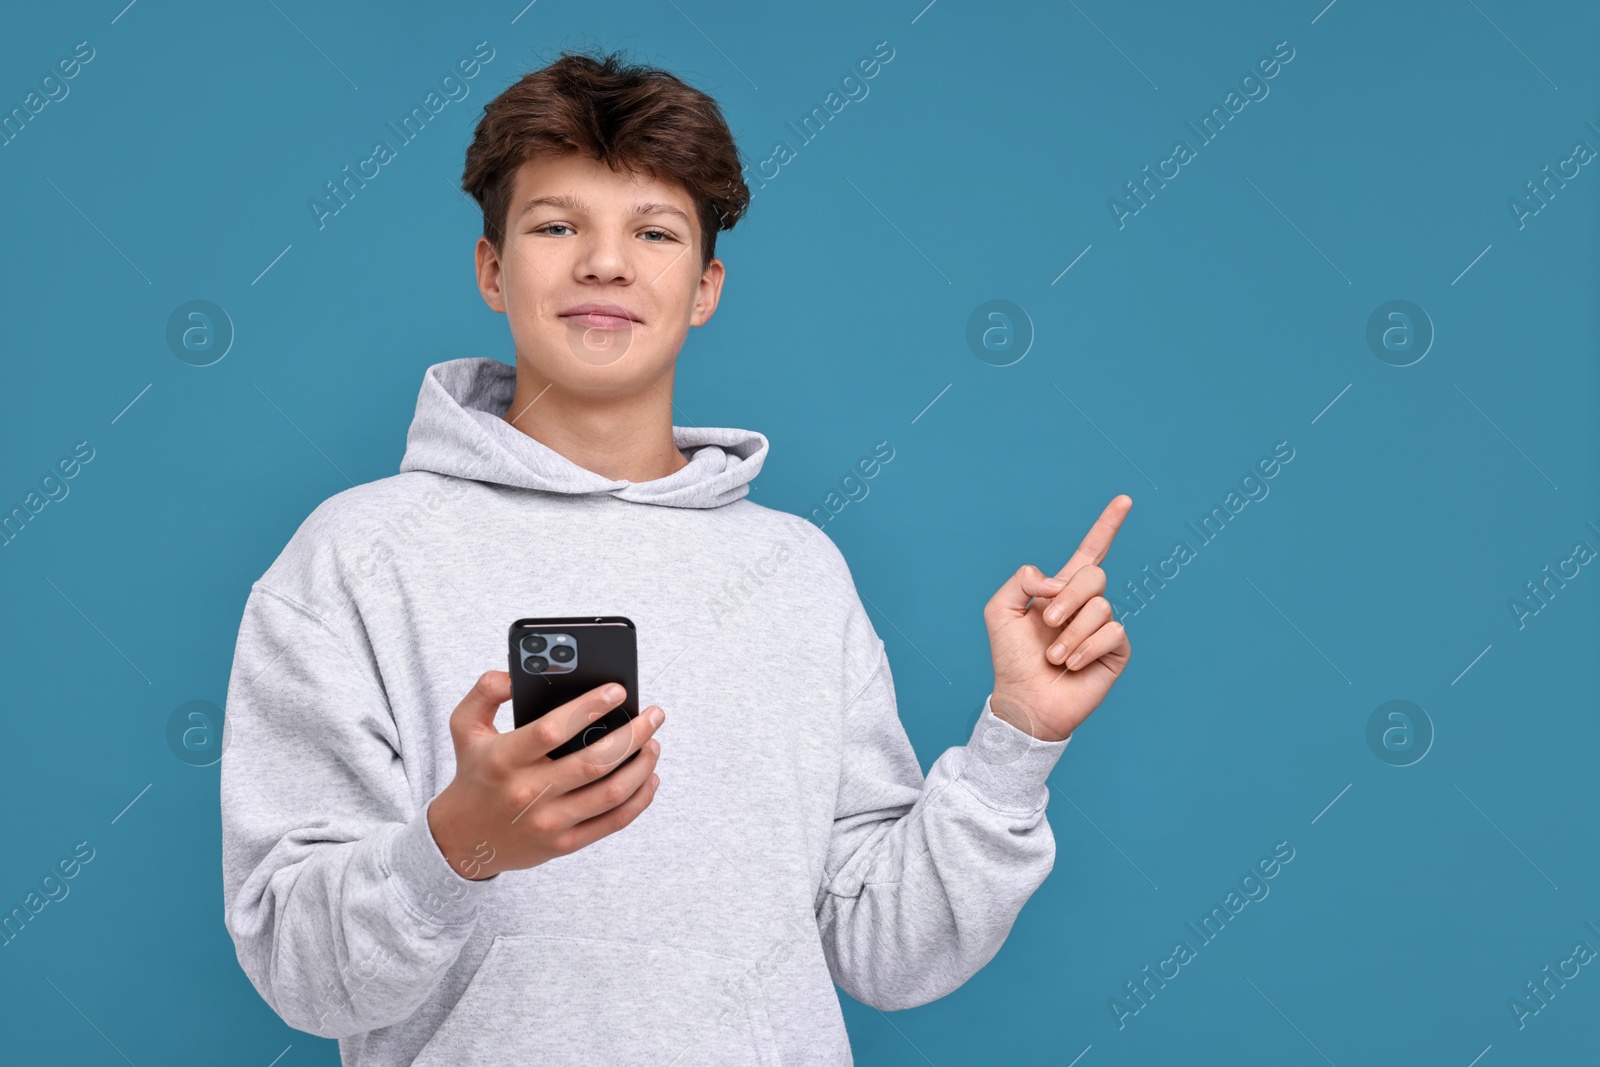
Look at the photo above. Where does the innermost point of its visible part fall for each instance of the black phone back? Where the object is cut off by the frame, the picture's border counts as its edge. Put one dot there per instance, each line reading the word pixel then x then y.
pixel 553 660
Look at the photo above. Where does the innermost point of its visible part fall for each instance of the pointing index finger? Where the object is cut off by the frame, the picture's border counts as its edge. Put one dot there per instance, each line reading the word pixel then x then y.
pixel 1097 542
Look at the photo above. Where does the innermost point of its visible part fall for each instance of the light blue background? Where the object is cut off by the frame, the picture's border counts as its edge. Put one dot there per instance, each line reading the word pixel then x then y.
pixel 980 165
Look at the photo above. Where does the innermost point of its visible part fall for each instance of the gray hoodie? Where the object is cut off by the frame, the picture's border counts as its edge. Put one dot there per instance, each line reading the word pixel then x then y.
pixel 793 843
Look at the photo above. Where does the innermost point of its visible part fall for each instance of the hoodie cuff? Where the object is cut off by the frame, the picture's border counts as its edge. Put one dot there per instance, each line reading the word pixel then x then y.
pixel 424 878
pixel 1007 767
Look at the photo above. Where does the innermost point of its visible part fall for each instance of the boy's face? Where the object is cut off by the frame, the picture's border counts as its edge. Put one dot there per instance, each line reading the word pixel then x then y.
pixel 576 236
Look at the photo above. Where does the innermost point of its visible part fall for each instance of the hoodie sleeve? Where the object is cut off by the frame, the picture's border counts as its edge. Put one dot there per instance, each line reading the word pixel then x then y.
pixel 924 878
pixel 342 909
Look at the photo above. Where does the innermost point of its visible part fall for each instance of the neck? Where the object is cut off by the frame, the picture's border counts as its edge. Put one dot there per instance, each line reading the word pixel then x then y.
pixel 622 438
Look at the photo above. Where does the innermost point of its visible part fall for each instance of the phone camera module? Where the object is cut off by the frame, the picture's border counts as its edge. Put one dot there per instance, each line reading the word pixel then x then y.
pixel 549 653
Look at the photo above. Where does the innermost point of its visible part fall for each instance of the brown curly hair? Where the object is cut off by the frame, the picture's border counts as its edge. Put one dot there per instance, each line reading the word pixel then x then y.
pixel 631 117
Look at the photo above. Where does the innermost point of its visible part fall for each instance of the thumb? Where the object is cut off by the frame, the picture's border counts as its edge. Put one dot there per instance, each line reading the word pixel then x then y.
pixel 474 716
pixel 1012 598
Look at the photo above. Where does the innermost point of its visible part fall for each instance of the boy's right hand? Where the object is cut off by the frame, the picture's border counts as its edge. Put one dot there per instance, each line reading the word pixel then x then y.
pixel 511 807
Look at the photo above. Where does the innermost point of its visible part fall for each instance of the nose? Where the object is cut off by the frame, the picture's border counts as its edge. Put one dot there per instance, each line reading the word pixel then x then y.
pixel 604 257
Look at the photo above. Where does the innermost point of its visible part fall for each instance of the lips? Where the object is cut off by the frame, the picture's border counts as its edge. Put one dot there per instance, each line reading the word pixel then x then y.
pixel 601 316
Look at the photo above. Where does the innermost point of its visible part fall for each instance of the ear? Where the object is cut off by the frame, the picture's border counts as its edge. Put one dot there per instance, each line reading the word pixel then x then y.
pixel 708 293
pixel 490 275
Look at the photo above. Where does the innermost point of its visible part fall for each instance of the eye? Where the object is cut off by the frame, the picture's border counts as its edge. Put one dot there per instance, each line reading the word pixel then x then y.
pixel 551 226
pixel 662 233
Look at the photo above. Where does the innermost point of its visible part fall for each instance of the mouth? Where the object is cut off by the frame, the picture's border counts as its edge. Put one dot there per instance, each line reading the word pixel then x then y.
pixel 601 316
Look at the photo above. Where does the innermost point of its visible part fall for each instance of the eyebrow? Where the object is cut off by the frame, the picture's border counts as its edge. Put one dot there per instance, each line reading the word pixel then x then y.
pixel 572 203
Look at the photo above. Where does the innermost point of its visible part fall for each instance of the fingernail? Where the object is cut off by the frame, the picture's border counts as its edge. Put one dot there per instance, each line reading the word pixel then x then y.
pixel 1053 616
pixel 612 693
pixel 1072 664
pixel 655 780
pixel 1055 583
pixel 1056 650
pixel 654 746
pixel 657 716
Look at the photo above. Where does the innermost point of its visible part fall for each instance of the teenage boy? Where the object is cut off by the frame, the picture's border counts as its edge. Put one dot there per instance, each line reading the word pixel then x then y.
pixel 427 885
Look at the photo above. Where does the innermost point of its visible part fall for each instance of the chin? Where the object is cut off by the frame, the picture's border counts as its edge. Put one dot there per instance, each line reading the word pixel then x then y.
pixel 596 373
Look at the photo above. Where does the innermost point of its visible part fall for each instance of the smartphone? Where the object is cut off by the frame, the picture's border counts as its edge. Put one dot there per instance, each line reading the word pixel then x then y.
pixel 555 660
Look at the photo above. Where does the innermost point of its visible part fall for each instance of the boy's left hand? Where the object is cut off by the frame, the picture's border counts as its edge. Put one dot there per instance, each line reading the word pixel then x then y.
pixel 1055 647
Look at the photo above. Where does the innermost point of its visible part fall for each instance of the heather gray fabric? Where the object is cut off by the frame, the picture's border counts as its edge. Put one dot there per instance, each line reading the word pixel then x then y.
pixel 793 843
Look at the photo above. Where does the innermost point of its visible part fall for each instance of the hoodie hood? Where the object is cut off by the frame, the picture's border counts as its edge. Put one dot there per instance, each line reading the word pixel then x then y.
pixel 459 430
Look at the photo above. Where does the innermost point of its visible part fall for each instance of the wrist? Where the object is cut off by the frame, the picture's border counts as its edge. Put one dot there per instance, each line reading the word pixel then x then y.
pixel 458 853
pixel 1008 710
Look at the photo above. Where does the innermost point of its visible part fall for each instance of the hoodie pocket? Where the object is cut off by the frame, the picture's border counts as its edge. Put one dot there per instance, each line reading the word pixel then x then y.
pixel 566 1000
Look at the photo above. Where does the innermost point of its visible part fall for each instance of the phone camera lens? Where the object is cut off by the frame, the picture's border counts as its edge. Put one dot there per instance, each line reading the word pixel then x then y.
pixel 562 653
pixel 535 664
pixel 533 644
